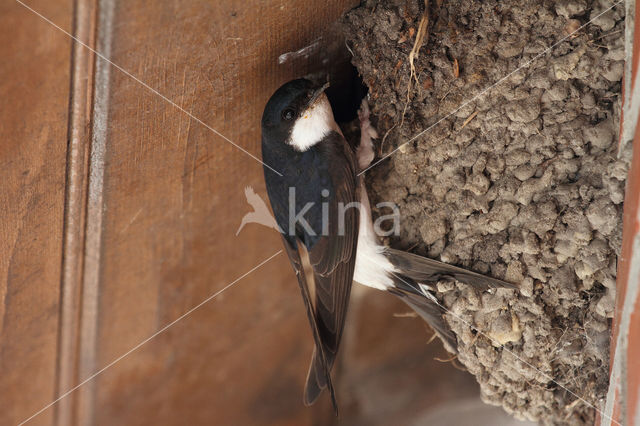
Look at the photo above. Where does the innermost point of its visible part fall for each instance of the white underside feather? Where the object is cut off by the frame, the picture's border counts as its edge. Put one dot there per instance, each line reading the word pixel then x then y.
pixel 372 269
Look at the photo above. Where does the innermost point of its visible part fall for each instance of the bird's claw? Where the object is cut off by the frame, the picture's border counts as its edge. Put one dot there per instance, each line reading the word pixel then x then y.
pixel 365 150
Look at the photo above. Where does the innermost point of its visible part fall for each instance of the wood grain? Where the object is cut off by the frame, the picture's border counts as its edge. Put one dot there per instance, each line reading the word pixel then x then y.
pixel 120 211
pixel 34 97
pixel 81 100
pixel 171 200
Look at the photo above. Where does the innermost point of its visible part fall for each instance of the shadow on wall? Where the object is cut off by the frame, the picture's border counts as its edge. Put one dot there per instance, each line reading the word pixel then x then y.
pixel 470 412
pixel 390 372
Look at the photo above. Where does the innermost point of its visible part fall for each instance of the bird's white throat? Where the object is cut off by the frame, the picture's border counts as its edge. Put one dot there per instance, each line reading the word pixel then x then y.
pixel 314 124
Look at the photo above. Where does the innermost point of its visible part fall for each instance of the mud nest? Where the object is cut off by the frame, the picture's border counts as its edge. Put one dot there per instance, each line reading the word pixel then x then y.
pixel 523 183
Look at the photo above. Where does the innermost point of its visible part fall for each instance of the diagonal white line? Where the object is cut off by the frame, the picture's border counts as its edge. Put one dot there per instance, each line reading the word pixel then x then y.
pixel 148 87
pixel 486 89
pixel 504 348
pixel 136 347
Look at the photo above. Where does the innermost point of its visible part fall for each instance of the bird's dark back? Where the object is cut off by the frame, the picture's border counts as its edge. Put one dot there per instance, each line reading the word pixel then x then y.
pixel 308 173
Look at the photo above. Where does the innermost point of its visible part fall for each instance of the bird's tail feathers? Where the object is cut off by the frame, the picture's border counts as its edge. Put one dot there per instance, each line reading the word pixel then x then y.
pixel 431 312
pixel 413 272
pixel 423 270
pixel 319 378
pixel 316 379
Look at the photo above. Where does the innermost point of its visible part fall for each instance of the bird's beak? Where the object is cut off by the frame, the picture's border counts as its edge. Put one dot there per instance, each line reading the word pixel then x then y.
pixel 317 93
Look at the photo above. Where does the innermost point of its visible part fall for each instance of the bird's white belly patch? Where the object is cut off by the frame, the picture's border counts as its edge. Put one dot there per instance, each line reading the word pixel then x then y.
pixel 372 267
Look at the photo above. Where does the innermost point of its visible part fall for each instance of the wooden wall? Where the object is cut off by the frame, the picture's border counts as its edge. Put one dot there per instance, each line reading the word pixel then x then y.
pixel 622 405
pixel 120 211
pixel 34 104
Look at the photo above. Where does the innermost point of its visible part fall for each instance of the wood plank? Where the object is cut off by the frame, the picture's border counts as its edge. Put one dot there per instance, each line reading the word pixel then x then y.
pixel 172 199
pixel 34 85
pixel 72 291
pixel 622 404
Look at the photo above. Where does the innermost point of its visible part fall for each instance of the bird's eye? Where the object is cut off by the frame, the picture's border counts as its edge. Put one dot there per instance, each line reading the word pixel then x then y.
pixel 288 114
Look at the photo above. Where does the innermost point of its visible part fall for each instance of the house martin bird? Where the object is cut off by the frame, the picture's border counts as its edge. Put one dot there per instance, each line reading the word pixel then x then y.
pixel 313 199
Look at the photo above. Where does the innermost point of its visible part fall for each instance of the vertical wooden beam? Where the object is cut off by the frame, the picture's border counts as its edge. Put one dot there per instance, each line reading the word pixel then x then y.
pixel 87 365
pixel 623 398
pixel 81 98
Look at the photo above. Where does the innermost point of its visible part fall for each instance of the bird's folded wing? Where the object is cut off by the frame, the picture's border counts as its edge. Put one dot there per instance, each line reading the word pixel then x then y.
pixel 332 258
pixel 319 364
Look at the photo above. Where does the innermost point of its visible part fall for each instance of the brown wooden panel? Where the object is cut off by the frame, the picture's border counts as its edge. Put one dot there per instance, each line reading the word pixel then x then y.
pixel 392 373
pixel 34 97
pixel 165 202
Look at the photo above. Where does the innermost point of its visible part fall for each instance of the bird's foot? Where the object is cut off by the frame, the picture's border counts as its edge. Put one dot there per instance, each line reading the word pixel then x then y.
pixel 365 150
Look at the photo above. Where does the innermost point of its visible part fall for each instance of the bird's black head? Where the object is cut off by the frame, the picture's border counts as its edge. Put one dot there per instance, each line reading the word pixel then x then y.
pixel 298 114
